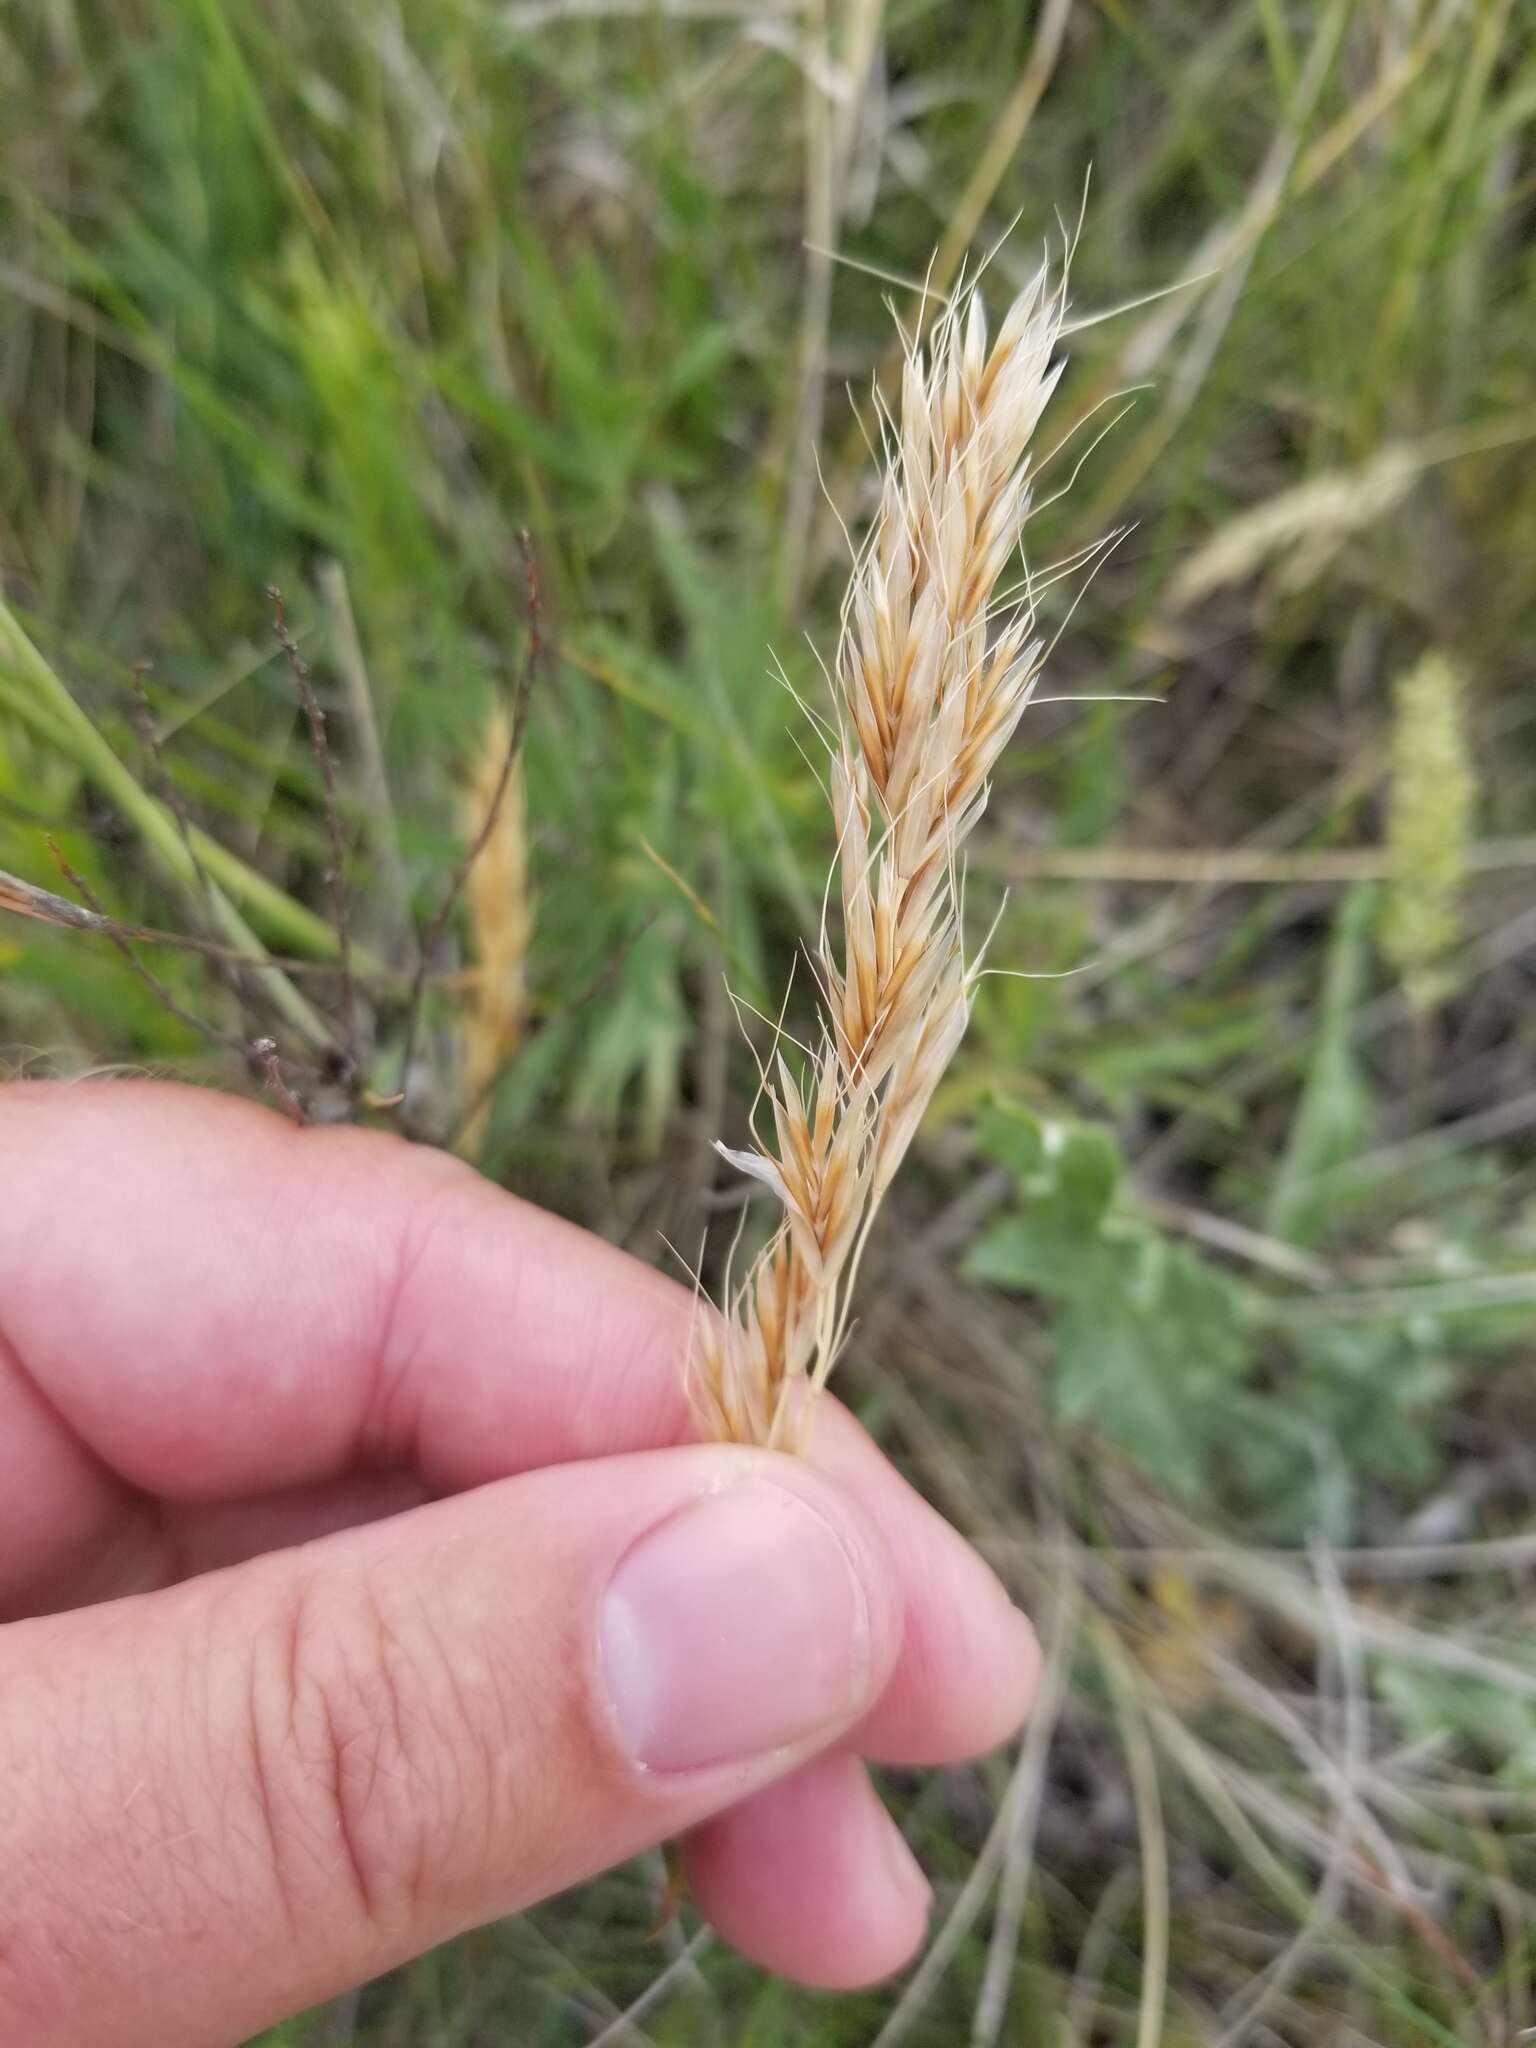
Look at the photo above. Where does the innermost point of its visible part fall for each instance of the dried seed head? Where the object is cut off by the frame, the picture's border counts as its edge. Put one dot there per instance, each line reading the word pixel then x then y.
pixel 930 687
pixel 500 912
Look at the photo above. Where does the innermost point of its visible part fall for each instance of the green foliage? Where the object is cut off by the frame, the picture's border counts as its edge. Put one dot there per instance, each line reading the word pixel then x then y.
pixel 1204 1378
pixel 1491 1726
pixel 380 285
pixel 1333 1113
pixel 1150 1342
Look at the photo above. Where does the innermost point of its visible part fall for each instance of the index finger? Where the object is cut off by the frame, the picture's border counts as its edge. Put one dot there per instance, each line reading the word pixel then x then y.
pixel 216 1301
pixel 218 1304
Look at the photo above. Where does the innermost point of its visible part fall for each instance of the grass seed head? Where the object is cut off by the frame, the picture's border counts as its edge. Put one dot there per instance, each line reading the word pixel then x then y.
pixel 500 913
pixel 1429 826
pixel 930 685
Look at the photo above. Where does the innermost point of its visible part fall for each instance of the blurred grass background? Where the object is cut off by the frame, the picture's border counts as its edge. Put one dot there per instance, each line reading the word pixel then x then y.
pixel 1205 1306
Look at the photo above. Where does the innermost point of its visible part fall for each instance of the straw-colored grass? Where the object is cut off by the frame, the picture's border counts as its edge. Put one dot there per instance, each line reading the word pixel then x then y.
pixel 930 683
pixel 500 913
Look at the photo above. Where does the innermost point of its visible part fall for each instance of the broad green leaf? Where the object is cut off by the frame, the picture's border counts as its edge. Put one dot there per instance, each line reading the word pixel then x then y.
pixel 1498 1726
pixel 1032 1255
pixel 1147 1343
pixel 1068 1170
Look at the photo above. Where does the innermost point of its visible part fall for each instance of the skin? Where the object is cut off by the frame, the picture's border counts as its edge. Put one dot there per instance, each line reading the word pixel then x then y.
pixel 317 1453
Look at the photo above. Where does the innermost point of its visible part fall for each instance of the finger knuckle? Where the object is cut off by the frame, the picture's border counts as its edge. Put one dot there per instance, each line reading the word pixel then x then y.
pixel 364 1759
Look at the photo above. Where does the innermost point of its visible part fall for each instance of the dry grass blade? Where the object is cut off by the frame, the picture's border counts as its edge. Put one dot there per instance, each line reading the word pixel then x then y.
pixel 930 684
pixel 970 1900
pixel 25 899
pixel 1156 1904
pixel 1028 1793
pixel 623 2027
pixel 1241 2016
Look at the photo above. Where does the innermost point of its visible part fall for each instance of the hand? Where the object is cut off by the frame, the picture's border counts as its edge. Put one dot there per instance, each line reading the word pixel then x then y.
pixel 360 1585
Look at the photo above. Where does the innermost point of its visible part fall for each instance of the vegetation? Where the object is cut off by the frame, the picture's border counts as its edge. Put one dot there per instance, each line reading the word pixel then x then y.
pixel 934 671
pixel 1203 1301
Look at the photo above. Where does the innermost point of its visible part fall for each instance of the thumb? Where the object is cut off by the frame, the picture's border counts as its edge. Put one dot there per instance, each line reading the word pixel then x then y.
pixel 223 1802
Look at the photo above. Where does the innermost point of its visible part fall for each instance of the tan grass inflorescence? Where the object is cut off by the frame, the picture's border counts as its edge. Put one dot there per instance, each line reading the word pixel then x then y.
pixel 932 676
pixel 500 912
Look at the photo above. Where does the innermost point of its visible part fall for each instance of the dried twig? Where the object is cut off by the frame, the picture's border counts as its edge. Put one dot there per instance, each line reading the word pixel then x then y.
pixel 26 899
pixel 522 693
pixel 264 1053
pixel 95 919
pixel 336 874
pixel 223 957
pixel 169 794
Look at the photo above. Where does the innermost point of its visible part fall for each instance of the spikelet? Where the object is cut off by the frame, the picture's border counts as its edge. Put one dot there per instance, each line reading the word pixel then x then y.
pixel 929 687
pixel 1429 826
pixel 500 913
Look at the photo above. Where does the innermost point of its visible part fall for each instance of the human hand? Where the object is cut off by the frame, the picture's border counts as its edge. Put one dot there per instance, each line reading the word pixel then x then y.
pixel 360 1585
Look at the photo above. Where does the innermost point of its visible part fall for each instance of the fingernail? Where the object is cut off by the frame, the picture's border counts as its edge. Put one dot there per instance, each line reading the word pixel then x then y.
pixel 734 1629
